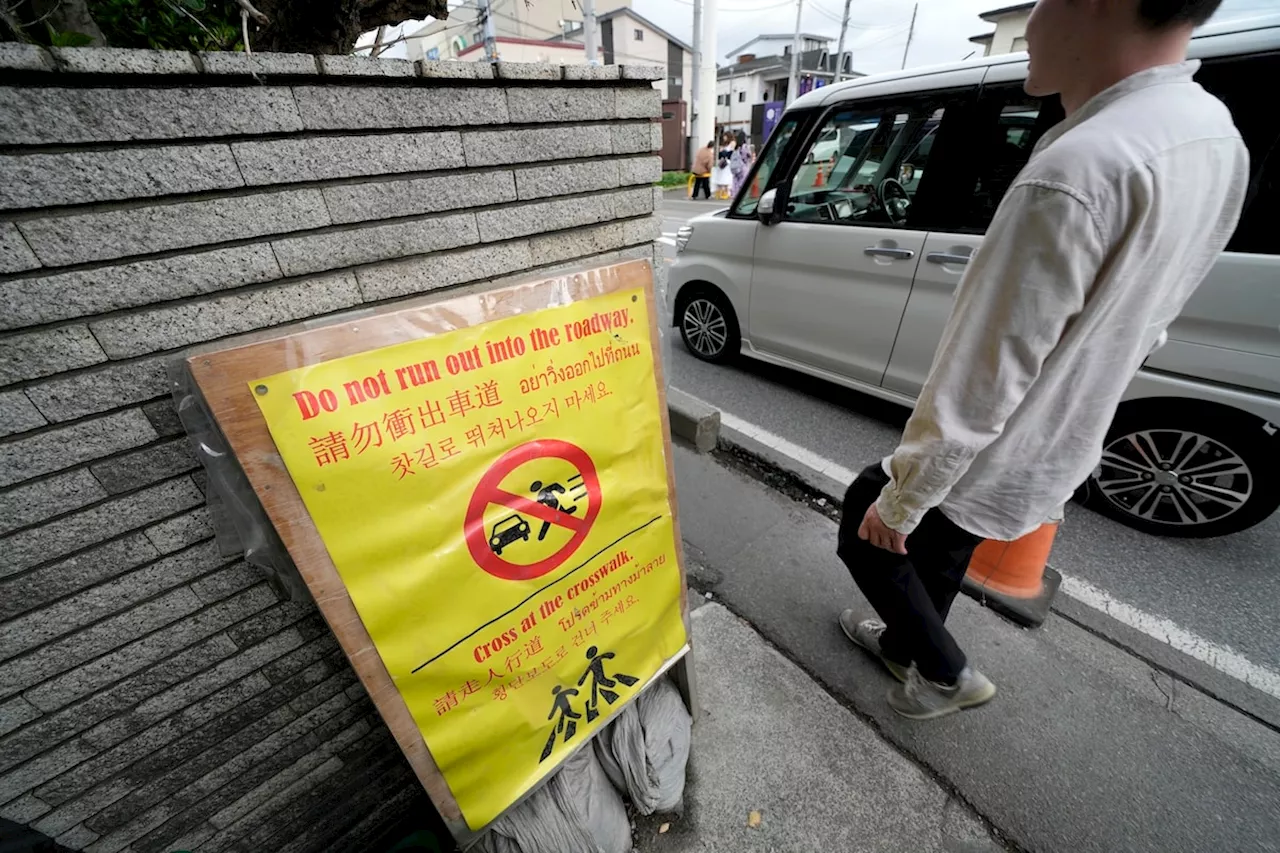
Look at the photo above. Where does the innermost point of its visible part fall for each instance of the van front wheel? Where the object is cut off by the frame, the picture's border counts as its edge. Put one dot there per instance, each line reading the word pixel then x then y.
pixel 1172 471
pixel 709 326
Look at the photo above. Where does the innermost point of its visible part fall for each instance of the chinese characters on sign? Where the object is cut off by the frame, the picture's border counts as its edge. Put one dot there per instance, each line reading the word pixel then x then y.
pixel 495 500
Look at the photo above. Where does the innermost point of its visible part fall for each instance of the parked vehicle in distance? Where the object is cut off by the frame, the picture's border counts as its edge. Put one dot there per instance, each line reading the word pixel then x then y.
pixel 850 276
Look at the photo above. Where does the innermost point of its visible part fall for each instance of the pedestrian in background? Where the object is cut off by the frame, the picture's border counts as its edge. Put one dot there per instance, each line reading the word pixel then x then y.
pixel 1094 250
pixel 703 162
pixel 721 175
pixel 739 165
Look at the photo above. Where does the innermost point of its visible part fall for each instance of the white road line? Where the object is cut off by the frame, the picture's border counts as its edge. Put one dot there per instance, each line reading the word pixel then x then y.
pixel 1222 658
pixel 670 241
pixel 794 451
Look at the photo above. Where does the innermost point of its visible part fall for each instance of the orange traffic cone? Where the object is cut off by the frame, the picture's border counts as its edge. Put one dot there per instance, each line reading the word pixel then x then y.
pixel 755 187
pixel 821 179
pixel 1014 578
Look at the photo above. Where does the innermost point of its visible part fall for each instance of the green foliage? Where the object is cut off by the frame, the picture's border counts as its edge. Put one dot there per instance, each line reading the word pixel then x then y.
pixel 673 179
pixel 68 39
pixel 169 24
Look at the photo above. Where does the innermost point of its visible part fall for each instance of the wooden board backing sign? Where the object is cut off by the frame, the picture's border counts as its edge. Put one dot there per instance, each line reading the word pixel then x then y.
pixel 478 492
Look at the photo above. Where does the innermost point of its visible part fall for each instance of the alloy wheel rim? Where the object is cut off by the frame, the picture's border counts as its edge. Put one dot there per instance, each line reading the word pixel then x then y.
pixel 705 327
pixel 1174 477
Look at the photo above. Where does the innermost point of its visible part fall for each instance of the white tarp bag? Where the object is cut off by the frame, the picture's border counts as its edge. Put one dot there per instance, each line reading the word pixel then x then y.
pixel 645 749
pixel 576 811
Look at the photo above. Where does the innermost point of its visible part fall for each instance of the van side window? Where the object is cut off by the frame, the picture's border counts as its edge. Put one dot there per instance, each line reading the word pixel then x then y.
pixel 758 181
pixel 1236 82
pixel 1007 125
pixel 865 165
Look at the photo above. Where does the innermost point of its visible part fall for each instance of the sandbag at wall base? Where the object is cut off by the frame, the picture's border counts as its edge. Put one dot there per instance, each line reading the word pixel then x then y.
pixel 576 811
pixel 645 750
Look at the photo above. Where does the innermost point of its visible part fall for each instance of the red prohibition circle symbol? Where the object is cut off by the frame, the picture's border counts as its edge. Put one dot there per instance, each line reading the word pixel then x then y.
pixel 489 491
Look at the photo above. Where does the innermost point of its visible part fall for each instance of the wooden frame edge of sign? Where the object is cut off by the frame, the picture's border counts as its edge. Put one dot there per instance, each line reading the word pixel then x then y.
pixel 222 378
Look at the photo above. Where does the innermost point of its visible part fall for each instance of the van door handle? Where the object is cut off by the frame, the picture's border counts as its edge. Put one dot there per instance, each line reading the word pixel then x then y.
pixel 946 258
pixel 886 252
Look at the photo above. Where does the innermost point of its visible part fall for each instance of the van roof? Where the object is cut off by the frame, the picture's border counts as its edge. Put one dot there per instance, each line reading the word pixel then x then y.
pixel 848 88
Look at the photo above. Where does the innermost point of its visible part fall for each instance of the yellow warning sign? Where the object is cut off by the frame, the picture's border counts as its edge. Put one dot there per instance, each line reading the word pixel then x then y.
pixel 495 500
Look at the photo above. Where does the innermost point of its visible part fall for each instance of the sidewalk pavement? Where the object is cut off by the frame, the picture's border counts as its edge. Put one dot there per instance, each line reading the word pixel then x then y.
pixel 1086 748
pixel 763 742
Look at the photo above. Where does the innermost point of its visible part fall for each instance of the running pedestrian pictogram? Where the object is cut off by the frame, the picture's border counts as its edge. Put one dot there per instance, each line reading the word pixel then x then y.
pixel 532 509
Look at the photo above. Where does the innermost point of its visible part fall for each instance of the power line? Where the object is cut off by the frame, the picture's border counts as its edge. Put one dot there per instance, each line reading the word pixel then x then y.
pixel 743 9
pixel 853 25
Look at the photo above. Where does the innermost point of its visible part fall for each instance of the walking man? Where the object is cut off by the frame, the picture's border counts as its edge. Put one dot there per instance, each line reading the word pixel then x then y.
pixel 1100 240
pixel 703 162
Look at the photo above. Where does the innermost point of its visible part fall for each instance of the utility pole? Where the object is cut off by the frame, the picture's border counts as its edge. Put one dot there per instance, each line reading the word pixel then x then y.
pixel 707 94
pixel 911 32
pixel 793 84
pixel 695 76
pixel 844 26
pixel 589 30
pixel 490 35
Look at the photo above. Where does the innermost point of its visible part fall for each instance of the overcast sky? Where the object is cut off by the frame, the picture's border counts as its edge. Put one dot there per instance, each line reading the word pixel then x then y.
pixel 877 28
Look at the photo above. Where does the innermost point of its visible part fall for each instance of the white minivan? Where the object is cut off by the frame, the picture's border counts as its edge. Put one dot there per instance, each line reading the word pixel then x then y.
pixel 844 266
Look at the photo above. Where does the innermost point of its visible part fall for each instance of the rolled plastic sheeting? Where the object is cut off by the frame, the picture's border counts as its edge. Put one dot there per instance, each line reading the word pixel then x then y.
pixel 576 811
pixel 645 750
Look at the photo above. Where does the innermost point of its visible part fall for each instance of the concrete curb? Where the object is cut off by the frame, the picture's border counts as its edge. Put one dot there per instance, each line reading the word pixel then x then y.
pixel 821 475
pixel 693 420
pixel 830 480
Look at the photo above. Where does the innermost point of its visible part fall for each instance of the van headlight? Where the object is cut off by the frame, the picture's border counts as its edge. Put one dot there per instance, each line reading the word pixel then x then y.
pixel 683 233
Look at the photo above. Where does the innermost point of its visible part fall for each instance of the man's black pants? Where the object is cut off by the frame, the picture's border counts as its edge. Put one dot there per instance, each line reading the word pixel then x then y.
pixel 912 593
pixel 702 184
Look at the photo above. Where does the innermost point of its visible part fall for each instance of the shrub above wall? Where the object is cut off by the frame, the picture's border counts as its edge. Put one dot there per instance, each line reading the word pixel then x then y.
pixel 154 692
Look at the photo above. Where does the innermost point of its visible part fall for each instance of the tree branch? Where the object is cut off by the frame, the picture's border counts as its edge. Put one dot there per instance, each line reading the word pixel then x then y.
pixel 377 13
pixel 247 8
pixel 385 45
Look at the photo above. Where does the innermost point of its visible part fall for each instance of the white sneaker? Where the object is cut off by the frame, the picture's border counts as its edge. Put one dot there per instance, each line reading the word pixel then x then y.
pixel 867 635
pixel 921 699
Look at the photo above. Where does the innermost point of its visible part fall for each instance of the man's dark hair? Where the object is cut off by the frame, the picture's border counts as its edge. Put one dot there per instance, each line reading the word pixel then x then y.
pixel 1159 14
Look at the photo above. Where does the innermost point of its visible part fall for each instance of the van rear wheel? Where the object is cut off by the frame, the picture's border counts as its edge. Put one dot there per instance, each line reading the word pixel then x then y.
pixel 1173 471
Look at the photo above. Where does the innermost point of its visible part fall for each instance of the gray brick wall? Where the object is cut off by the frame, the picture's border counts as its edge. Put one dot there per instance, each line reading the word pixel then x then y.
pixel 155 694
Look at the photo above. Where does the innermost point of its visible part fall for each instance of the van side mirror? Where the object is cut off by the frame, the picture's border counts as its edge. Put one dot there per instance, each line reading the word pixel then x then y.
pixel 773 204
pixel 765 208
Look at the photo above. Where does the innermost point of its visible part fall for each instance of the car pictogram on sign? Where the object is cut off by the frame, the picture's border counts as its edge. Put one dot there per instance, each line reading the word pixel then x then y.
pixel 511 529
pixel 544 504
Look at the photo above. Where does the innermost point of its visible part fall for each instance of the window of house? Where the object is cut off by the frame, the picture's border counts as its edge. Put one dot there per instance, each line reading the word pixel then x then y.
pixel 639 35
pixel 742 97
pixel 1019 43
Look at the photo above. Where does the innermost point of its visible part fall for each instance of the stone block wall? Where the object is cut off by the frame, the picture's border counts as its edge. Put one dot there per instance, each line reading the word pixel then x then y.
pixel 155 694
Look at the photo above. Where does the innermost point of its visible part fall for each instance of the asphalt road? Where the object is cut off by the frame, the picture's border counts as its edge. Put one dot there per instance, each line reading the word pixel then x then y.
pixel 1224 590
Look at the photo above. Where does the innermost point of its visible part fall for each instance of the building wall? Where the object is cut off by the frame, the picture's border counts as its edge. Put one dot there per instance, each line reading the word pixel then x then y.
pixel 1009 36
pixel 155 693
pixel 539 20
pixel 737 114
pixel 651 49
pixel 519 50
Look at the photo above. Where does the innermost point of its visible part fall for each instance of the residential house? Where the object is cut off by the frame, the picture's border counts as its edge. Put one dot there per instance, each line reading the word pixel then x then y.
pixel 552 31
pixel 516 23
pixel 1010 33
pixel 760 73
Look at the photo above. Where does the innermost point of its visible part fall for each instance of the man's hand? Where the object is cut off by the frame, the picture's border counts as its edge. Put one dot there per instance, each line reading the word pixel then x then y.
pixel 881 535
